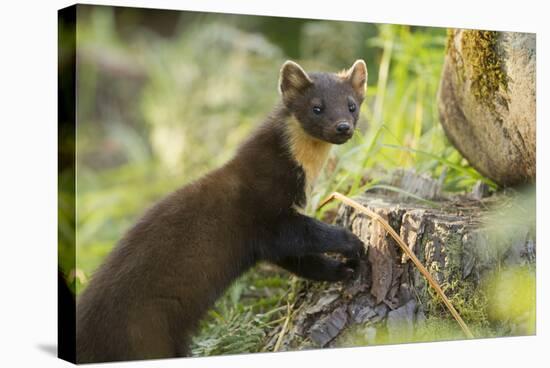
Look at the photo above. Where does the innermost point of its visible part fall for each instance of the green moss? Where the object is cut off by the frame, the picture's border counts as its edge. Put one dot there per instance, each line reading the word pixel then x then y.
pixel 465 295
pixel 485 68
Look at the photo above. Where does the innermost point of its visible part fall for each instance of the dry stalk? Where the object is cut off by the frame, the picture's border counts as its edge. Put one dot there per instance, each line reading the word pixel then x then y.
pixel 433 283
pixel 285 327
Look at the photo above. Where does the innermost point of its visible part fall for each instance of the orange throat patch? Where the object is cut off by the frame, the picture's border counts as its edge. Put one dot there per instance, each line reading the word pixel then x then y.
pixel 308 152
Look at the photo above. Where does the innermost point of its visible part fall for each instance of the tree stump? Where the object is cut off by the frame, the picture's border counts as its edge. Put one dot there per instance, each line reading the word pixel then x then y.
pixel 487 102
pixel 449 238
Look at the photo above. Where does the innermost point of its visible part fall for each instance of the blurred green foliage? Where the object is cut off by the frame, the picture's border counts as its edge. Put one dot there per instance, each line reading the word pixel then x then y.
pixel 163 97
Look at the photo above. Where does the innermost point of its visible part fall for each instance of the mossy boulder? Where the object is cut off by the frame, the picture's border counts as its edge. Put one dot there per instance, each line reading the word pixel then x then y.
pixel 487 102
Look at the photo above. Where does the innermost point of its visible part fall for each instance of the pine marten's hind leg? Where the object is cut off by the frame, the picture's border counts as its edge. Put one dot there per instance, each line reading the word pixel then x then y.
pixel 153 330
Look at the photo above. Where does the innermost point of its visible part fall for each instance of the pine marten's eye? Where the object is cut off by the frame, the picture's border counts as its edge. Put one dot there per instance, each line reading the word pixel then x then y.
pixel 352 107
pixel 317 110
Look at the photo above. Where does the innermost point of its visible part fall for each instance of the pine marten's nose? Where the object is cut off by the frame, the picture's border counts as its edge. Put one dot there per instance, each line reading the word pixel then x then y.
pixel 343 127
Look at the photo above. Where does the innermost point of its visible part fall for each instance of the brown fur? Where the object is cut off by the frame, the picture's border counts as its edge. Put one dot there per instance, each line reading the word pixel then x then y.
pixel 147 298
pixel 357 75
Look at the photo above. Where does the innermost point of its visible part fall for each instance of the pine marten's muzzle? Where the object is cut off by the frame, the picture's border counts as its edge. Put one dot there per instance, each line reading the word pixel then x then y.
pixel 344 128
pixel 341 132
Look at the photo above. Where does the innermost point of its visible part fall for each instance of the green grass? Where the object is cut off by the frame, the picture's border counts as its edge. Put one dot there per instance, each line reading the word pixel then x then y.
pixel 390 141
pixel 140 138
pixel 241 319
pixel 400 126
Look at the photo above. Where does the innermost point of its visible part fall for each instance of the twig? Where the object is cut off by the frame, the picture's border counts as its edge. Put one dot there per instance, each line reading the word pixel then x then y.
pixel 433 283
pixel 283 330
pixel 276 321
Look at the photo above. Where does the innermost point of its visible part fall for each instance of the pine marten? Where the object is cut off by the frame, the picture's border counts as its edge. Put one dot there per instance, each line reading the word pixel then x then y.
pixel 149 295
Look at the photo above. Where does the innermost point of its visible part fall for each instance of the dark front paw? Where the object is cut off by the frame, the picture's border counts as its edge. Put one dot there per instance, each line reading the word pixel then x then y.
pixel 352 246
pixel 348 270
pixel 336 270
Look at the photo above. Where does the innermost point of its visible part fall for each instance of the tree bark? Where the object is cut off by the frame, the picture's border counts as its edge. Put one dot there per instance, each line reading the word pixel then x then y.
pixel 389 290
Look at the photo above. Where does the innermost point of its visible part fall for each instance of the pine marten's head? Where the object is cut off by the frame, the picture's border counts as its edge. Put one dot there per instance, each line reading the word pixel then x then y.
pixel 326 105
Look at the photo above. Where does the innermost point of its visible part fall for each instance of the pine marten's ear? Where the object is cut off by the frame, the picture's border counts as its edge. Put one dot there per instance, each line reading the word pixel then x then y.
pixel 357 76
pixel 293 80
